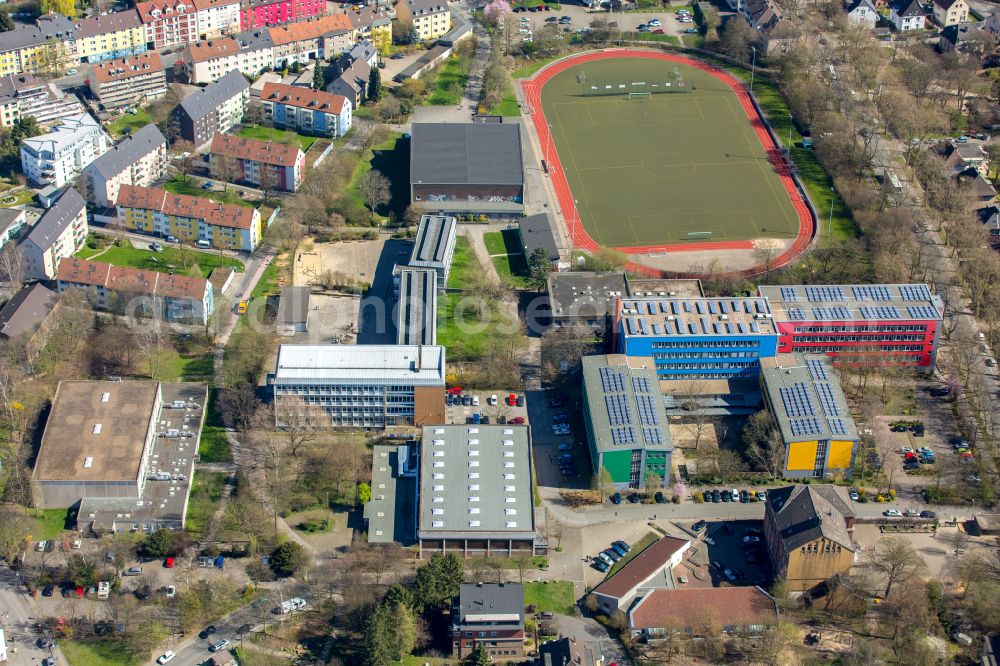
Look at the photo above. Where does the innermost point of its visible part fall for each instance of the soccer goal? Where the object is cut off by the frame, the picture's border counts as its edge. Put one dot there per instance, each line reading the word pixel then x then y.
pixel 699 235
pixel 639 95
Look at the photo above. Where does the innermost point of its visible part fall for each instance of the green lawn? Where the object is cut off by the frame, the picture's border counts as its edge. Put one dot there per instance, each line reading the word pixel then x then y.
pixel 49 523
pixel 268 281
pixel 97 653
pixel 191 365
pixel 19 198
pixel 550 597
pixel 214 445
pixel 637 185
pixel 507 107
pixel 206 491
pixel 277 135
pixel 130 122
pixel 494 242
pixel 391 159
pixel 449 83
pixel 812 175
pixel 463 265
pixel 530 66
pixel 191 187
pixel 638 547
pixel 649 37
pixel 512 268
pixel 176 259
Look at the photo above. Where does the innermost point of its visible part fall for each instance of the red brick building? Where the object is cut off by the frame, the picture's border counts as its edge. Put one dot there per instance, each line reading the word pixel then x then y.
pixel 491 615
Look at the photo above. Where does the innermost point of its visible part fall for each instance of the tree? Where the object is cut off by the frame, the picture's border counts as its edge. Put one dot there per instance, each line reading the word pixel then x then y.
pixel 379 640
pixel 364 493
pixel 603 483
pixel 184 162
pixel 730 464
pixel 374 89
pixel 539 268
pixel 159 544
pixel 897 561
pixel 375 188
pixel 496 12
pixel 319 76
pixel 287 559
pixel 6 24
pixel 736 38
pixel 480 656
pixel 11 270
pixel 438 581
pixel 397 594
pixel 606 259
pixel 65 7
pixel 406 630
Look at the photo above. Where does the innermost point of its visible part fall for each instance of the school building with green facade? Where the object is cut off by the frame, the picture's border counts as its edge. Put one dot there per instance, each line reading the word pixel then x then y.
pixel 626 421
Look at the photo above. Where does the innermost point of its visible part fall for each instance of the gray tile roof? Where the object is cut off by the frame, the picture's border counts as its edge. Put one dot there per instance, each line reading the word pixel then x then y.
pixel 475 482
pixel 50 26
pixel 466 153
pixel 503 599
pixel 129 151
pixel 254 40
pixel 114 22
pixel 209 98
pixel 536 232
pixel 806 513
pixel 26 310
pixel 56 219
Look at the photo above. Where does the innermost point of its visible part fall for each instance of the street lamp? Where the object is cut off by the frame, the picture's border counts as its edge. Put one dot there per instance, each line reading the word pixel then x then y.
pixel 829 224
pixel 753 66
pixel 790 123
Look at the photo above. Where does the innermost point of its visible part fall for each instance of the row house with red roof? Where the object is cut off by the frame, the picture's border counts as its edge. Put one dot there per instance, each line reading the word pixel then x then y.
pixel 304 110
pixel 169 22
pixel 264 164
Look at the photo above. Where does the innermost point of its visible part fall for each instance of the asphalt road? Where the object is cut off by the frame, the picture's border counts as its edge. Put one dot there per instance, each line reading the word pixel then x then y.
pixel 17 617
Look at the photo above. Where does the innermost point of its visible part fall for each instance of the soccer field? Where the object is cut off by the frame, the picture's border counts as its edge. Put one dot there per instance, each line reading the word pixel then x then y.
pixel 650 171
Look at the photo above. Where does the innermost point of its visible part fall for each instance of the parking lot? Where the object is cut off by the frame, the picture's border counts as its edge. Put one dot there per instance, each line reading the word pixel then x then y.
pixel 486 406
pixel 580 18
pixel 559 442
pixel 737 547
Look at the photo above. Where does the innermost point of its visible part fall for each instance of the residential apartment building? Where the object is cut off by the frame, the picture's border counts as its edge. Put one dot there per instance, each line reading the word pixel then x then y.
pixel 491 615
pixel 139 159
pixel 168 23
pixel 217 18
pixel 430 18
pixel 372 23
pixel 58 157
pixel 12 223
pixel 150 210
pixel 25 95
pixel 697 338
pixel 809 534
pixel 265 164
pixel 352 83
pixel 208 61
pixel 950 12
pixel 177 298
pixel 762 14
pixel 359 386
pixel 884 324
pixel 628 432
pixel 819 436
pixel 129 81
pixel 906 15
pixel 863 12
pixel 216 108
pixel 305 40
pixel 474 492
pixel 25 318
pixel 307 111
pixel 264 13
pixel 114 35
pixel 32 48
pixel 58 234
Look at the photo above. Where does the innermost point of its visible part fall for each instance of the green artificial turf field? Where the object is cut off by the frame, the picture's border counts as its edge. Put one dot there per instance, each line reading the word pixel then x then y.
pixel 650 171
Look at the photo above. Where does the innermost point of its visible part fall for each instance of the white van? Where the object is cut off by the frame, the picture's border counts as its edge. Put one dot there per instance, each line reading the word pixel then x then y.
pixel 204 243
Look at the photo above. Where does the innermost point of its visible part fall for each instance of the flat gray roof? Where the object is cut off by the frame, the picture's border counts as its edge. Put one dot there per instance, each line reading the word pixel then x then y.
pixel 682 288
pixel 806 399
pixel 293 306
pixel 625 404
pixel 584 294
pixel 390 511
pixel 417 322
pixel 501 604
pixel 859 302
pixel 409 365
pixel 475 482
pixel 435 233
pixel 679 317
pixel 466 154
pixel 536 232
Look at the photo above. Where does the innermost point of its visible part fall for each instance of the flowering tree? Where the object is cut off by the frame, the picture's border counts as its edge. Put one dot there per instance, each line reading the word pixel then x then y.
pixel 680 491
pixel 496 11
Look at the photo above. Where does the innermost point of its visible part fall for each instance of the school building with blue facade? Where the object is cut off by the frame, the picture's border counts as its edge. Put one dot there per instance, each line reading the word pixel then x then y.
pixel 697 338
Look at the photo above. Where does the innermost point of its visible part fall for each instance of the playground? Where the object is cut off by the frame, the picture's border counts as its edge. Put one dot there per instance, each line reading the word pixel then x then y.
pixel 655 152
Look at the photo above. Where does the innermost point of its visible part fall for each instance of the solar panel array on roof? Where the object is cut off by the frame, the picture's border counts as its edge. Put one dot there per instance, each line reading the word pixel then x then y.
pixel 825 294
pixel 619 412
pixel 875 292
pixel 835 312
pixel 817 370
pixel 922 312
pixel 827 399
pixel 879 312
pixel 796 314
pixel 837 426
pixel 797 400
pixel 622 436
pixel 612 381
pixel 914 292
pixel 653 436
pixel 789 294
pixel 647 410
pixel 806 426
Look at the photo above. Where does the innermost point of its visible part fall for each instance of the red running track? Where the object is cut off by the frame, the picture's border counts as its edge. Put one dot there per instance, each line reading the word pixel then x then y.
pixel 532 90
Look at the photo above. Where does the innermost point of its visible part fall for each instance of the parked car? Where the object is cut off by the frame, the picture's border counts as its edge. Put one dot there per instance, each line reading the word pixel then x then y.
pixel 906 449
pixel 659 31
pixel 699 526
pixel 899 428
pixel 220 646
pixel 730 574
pixel 604 557
pixel 622 544
pixel 716 496
pixel 940 391
pixel 725 496
pixel 751 539
pixel 690 31
pixel 600 565
pixel 517 420
pixel 618 549
pixel 633 498
pixel 616 498
pixel 48 590
pixel 744 496
pixel 659 498
pixel 166 656
pixel 170 591
pixel 928 514
pixel 565 446
pixel 892 513
pixel 155 247
pixel 132 571
pixel 207 631
pixel 655 23
pixel 761 496
pixel 492 399
pixel 911 513
pixel 520 401
pixel 854 495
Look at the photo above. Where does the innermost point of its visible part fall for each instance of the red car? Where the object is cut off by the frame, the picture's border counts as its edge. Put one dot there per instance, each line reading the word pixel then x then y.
pixel 168 563
pixel 455 390
pixel 512 400
pixel 517 420
pixel 659 31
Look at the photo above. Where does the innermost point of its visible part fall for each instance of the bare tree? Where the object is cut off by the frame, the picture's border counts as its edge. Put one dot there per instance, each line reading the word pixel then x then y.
pixel 375 189
pixel 184 162
pixel 11 270
pixel 897 561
